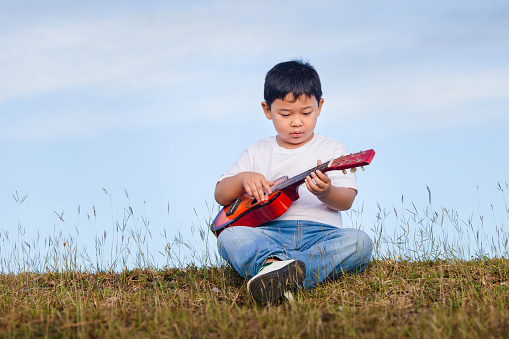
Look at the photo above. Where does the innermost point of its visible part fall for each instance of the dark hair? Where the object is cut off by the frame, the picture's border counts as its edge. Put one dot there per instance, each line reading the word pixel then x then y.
pixel 296 77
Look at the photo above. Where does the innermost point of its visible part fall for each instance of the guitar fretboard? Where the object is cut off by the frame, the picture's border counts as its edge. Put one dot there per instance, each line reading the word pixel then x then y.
pixel 299 177
pixel 342 163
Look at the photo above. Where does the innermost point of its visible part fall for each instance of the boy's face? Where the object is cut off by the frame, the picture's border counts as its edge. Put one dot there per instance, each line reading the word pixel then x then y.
pixel 294 121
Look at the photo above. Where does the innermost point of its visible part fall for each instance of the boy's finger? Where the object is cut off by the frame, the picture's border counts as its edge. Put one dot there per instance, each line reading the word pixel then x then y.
pixel 267 187
pixel 316 179
pixel 321 184
pixel 260 194
pixel 312 184
pixel 322 176
pixel 253 191
pixel 248 191
pixel 308 185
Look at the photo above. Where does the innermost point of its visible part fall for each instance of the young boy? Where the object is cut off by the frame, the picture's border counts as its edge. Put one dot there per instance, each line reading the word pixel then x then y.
pixel 306 245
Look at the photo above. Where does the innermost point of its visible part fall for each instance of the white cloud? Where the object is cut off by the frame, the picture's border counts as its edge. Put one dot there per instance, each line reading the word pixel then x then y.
pixel 430 91
pixel 438 99
pixel 143 68
pixel 150 49
pixel 46 59
pixel 51 126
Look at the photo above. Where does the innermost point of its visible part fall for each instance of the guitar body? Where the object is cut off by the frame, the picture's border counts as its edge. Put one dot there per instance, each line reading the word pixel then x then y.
pixel 247 211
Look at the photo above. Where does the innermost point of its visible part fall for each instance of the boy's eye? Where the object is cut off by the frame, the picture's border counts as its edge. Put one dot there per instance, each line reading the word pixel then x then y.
pixel 307 113
pixel 284 115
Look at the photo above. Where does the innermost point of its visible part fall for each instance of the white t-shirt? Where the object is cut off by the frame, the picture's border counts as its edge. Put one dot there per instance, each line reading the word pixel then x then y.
pixel 268 158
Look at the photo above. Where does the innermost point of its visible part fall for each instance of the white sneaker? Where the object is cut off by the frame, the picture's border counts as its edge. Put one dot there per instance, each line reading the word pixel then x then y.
pixel 275 279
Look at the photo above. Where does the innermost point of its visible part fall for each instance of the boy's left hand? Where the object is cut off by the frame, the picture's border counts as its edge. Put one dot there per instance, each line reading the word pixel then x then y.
pixel 318 183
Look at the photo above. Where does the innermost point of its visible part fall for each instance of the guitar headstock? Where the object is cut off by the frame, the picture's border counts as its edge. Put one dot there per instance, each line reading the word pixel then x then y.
pixel 352 161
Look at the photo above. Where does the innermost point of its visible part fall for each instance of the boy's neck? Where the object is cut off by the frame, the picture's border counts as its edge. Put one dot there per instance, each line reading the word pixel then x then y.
pixel 292 146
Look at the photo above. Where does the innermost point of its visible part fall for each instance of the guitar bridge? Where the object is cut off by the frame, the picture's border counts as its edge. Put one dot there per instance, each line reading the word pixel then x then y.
pixel 233 207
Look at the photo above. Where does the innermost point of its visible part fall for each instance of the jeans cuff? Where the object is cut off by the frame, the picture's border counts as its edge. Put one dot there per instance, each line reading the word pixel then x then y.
pixel 279 256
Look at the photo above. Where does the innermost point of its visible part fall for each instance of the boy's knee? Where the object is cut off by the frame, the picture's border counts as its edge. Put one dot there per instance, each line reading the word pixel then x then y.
pixel 227 240
pixel 235 238
pixel 363 243
pixel 221 239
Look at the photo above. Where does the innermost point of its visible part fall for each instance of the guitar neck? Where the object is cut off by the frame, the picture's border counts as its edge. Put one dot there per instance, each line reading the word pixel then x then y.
pixel 344 162
pixel 299 178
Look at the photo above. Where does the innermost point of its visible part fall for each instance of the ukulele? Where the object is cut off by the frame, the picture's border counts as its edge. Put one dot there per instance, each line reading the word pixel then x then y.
pixel 247 211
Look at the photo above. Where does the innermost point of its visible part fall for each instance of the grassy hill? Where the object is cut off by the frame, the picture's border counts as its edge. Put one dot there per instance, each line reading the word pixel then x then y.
pixel 419 284
pixel 442 298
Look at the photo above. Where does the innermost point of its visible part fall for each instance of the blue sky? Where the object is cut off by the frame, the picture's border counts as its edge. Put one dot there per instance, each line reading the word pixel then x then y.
pixel 157 99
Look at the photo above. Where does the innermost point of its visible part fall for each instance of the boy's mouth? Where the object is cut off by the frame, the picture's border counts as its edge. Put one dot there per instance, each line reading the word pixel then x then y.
pixel 296 134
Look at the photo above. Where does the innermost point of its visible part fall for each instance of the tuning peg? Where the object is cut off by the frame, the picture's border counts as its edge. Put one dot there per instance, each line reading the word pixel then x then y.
pixel 353 170
pixel 362 168
pixel 344 171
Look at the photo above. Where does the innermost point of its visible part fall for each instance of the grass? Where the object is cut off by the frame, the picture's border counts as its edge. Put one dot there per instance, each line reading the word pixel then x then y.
pixel 420 284
pixel 390 299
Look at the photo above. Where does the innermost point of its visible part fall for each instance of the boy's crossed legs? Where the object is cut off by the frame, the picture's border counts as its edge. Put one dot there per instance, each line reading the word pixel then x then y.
pixel 326 251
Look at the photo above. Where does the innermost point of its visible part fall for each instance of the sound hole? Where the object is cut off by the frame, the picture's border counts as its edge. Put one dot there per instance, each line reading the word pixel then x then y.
pixel 233 207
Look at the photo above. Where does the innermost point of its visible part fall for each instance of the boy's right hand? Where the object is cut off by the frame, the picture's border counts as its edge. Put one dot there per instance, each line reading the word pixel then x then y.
pixel 256 185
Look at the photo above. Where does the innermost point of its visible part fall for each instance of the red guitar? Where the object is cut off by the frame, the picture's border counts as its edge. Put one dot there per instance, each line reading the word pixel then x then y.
pixel 247 211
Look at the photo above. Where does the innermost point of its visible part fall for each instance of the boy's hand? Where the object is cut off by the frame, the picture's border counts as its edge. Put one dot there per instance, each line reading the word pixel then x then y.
pixel 318 183
pixel 256 185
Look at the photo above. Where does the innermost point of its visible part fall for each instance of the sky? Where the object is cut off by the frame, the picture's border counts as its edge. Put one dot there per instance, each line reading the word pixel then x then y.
pixel 112 105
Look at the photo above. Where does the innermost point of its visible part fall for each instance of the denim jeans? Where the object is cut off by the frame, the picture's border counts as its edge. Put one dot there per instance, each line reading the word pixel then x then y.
pixel 327 251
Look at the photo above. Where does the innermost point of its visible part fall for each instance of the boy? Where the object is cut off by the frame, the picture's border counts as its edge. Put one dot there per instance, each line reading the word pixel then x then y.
pixel 306 245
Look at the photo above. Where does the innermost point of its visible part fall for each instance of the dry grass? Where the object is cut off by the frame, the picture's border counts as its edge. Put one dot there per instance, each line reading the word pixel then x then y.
pixel 390 299
pixel 418 286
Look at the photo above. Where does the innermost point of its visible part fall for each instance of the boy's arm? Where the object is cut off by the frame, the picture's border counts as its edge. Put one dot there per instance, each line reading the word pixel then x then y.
pixel 337 198
pixel 230 188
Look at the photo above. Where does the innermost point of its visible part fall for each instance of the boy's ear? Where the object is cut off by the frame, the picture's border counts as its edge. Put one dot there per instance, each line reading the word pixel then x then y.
pixel 266 110
pixel 320 106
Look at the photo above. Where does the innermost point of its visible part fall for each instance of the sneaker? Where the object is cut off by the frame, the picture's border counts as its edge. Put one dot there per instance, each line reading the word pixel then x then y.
pixel 275 279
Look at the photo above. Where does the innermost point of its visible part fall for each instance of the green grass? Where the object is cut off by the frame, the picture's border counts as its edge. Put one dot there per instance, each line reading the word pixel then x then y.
pixel 420 284
pixel 390 299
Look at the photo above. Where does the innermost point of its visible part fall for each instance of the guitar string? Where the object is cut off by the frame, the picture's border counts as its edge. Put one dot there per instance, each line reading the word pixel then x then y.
pixel 298 177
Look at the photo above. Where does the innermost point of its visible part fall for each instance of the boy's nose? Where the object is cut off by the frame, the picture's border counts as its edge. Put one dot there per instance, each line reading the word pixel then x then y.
pixel 296 123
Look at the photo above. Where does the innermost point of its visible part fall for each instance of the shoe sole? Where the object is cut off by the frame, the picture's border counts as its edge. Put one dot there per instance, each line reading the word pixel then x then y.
pixel 271 286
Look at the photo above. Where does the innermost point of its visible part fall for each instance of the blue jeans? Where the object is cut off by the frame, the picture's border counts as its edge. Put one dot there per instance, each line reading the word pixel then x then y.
pixel 327 251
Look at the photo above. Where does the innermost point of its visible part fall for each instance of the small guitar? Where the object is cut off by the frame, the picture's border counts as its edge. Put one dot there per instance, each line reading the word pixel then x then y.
pixel 247 211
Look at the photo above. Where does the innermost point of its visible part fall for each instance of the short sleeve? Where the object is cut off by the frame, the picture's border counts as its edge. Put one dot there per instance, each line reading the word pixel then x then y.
pixel 243 164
